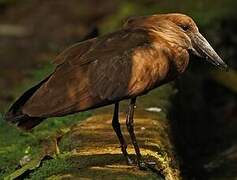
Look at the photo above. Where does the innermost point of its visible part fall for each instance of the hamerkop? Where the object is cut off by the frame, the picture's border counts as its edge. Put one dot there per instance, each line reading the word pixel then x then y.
pixel 145 53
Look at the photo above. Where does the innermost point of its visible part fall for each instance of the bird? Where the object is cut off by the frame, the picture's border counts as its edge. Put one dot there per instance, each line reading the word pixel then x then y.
pixel 145 53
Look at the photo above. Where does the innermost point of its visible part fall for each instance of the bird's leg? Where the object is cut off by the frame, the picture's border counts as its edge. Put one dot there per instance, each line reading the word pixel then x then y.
pixel 117 129
pixel 129 123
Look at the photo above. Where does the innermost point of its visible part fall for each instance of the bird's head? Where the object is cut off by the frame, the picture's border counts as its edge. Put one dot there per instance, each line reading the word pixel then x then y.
pixel 199 45
pixel 179 29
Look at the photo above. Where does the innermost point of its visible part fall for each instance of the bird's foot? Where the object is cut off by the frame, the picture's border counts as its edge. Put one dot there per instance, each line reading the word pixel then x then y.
pixel 129 161
pixel 146 165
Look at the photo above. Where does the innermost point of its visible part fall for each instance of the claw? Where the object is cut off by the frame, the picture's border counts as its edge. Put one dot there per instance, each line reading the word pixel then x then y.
pixel 146 165
pixel 129 161
pixel 151 163
pixel 142 165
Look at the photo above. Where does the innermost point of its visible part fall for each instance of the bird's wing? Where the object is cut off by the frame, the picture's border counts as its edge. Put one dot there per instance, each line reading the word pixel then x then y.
pixel 74 52
pixel 88 74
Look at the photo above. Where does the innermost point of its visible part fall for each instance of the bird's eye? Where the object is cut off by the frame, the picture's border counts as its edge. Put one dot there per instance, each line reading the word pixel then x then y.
pixel 184 27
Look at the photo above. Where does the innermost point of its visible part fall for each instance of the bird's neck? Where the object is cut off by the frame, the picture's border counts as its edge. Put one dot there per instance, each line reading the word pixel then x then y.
pixel 176 52
pixel 181 58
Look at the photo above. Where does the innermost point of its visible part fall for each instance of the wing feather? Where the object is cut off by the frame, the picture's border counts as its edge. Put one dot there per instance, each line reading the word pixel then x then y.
pixel 88 74
pixel 74 52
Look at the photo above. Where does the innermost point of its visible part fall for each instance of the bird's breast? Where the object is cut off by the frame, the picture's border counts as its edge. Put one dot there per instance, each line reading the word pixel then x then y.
pixel 178 62
pixel 149 68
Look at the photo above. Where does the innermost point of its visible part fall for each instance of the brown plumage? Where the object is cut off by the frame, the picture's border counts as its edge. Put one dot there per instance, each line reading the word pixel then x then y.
pixel 146 53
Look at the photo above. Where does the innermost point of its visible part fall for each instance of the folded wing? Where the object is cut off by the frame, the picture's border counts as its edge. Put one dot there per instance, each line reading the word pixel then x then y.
pixel 89 74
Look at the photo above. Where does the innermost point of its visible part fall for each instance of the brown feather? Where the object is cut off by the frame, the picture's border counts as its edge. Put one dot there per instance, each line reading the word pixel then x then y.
pixel 74 51
pixel 87 80
pixel 147 52
pixel 114 67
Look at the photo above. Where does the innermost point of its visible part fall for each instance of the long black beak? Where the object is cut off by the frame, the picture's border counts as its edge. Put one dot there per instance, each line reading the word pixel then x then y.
pixel 203 49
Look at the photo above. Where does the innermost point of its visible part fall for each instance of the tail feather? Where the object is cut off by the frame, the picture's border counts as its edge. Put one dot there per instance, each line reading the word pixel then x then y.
pixel 15 115
pixel 22 121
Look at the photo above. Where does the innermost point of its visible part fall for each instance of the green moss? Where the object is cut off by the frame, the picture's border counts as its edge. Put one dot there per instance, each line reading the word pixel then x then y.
pixel 53 125
pixel 15 144
pixel 66 166
pixel 52 167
